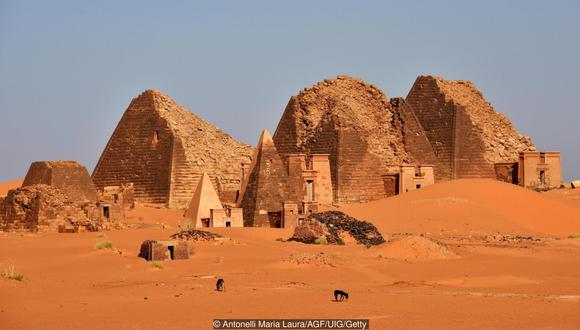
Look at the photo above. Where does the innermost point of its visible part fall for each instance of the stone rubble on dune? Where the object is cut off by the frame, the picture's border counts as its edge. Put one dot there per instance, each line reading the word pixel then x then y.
pixel 315 259
pixel 196 235
pixel 331 225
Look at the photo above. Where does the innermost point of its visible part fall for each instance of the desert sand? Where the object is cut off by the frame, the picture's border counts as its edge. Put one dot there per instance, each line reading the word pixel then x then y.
pixel 460 254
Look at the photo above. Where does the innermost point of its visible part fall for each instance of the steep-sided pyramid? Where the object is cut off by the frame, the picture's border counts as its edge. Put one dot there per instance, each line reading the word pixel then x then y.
pixel 204 199
pixel 163 149
pixel 362 131
pixel 467 134
pixel 266 187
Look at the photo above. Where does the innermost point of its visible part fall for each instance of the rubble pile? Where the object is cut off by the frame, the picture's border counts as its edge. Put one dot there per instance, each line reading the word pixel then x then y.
pixel 196 235
pixel 316 259
pixel 331 225
pixel 41 207
pixel 356 105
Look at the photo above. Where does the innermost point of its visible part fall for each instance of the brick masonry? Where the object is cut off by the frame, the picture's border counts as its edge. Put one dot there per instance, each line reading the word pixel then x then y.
pixel 163 149
pixel 467 136
pixel 69 176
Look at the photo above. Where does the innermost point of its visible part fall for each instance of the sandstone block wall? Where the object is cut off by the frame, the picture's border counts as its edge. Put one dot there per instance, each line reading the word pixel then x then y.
pixel 466 134
pixel 46 208
pixel 359 128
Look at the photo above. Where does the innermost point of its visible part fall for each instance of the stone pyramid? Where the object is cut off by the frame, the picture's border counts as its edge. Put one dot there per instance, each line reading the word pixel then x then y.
pixel 266 187
pixel 204 199
pixel 467 134
pixel 356 124
pixel 163 149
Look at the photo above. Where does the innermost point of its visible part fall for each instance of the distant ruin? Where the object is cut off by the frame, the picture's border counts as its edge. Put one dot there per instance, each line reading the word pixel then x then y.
pixel 160 250
pixel 69 176
pixel 60 196
pixel 163 149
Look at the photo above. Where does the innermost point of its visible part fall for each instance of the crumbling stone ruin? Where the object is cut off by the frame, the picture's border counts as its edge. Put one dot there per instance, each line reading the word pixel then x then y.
pixel 163 149
pixel 60 196
pixel 196 235
pixel 114 201
pixel 154 250
pixel 333 225
pixel 359 128
pixel 466 133
pixel 69 176
pixel 443 126
pixel 40 207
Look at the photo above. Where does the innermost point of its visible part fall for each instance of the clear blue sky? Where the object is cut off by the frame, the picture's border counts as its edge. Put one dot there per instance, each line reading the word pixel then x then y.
pixel 68 70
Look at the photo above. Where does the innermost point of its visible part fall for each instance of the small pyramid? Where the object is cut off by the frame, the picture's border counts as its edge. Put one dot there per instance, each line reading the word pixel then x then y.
pixel 266 186
pixel 204 199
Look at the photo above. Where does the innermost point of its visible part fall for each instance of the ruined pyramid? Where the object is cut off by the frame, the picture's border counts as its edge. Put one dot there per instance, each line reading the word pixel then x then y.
pixel 204 199
pixel 266 187
pixel 466 133
pixel 163 149
pixel 67 175
pixel 357 125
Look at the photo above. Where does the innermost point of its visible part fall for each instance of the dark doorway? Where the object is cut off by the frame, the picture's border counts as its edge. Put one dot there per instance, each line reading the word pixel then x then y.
pixel 171 250
pixel 418 186
pixel 228 223
pixel 275 219
pixel 106 212
pixel 542 177
pixel 391 183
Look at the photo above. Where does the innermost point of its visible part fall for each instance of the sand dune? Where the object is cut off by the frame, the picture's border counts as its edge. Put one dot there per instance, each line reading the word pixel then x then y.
pixel 408 282
pixel 471 206
pixel 5 186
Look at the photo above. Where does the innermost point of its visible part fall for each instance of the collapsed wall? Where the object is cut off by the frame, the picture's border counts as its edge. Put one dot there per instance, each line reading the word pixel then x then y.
pixel 466 133
pixel 356 124
pixel 163 149
pixel 41 207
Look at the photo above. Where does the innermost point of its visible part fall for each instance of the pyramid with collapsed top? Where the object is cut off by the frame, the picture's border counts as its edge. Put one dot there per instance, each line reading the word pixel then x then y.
pixel 364 133
pixel 163 149
pixel 67 175
pixel 466 133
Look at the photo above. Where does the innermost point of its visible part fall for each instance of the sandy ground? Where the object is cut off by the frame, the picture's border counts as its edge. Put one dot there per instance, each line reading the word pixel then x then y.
pixel 463 254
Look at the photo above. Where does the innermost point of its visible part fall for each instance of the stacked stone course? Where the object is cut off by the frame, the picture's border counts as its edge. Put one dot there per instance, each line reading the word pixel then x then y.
pixel 163 149
pixel 467 135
